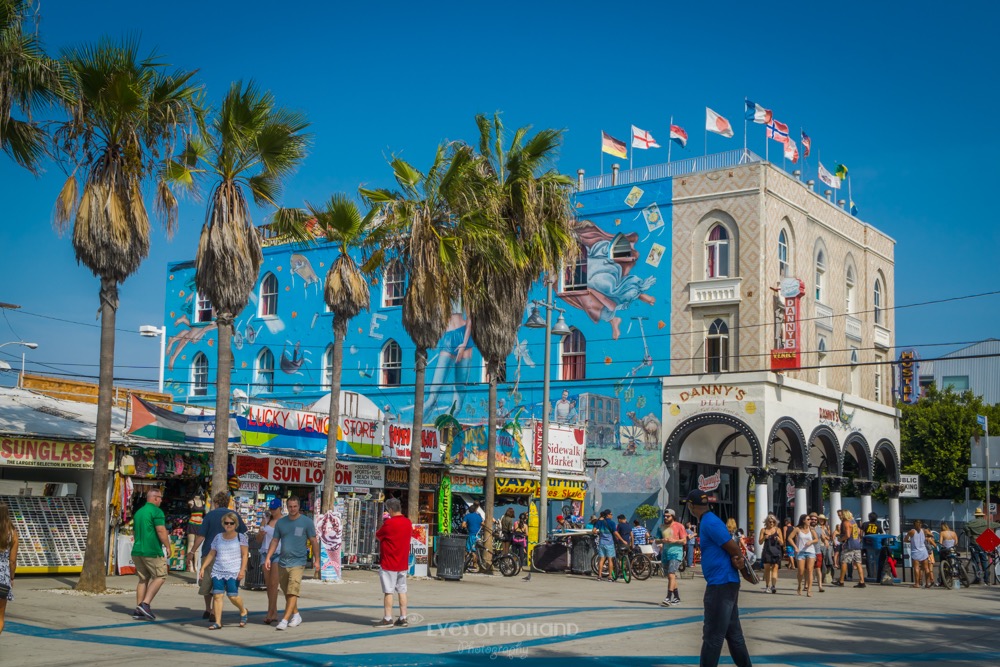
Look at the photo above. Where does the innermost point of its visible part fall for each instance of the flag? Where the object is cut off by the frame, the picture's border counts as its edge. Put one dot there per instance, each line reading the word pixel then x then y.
pixel 152 421
pixel 758 114
pixel 612 146
pixel 678 134
pixel 791 151
pixel 854 209
pixel 840 172
pixel 807 144
pixel 716 123
pixel 643 139
pixel 777 131
pixel 828 178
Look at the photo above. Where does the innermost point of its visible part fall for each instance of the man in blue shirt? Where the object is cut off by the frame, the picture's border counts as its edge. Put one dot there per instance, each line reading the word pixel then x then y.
pixel 473 522
pixel 606 532
pixel 721 562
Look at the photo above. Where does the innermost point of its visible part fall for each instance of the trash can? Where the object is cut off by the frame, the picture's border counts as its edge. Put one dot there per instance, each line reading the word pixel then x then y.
pixel 254 579
pixel 581 553
pixel 876 552
pixel 450 557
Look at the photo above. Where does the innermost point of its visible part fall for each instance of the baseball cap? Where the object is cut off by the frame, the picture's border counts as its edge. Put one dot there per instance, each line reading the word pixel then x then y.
pixel 559 518
pixel 670 512
pixel 697 497
pixel 274 504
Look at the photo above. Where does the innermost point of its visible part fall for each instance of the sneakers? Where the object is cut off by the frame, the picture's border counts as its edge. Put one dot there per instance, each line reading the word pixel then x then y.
pixel 861 585
pixel 282 625
pixel 667 602
pixel 774 589
pixel 295 621
pixel 401 622
pixel 146 612
pixel 138 615
pixel 385 623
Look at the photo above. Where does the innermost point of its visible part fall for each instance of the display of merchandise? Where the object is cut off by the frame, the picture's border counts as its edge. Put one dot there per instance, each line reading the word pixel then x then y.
pixel 52 532
pixel 178 553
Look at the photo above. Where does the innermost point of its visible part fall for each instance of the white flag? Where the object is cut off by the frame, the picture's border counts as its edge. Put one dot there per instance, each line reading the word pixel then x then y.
pixel 643 139
pixel 828 178
pixel 716 123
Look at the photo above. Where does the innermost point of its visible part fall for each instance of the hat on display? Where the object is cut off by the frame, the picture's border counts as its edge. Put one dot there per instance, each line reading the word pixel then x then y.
pixel 979 512
pixel 698 497
pixel 275 503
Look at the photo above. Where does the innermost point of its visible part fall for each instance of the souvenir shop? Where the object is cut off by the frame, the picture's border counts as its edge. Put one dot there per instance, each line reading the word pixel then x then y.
pixel 397 484
pixel 184 477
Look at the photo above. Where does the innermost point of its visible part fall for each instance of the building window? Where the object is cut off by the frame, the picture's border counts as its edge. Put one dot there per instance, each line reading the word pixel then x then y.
pixel 268 296
pixel 328 368
pixel 849 290
pixel 879 360
pixel 782 254
pixel 717 347
pixel 958 383
pixel 855 371
pixel 574 356
pixel 717 265
pixel 393 285
pixel 877 305
pixel 202 309
pixel 265 371
pixel 575 274
pixel 821 381
pixel 820 276
pixel 392 364
pixel 621 247
pixel 199 375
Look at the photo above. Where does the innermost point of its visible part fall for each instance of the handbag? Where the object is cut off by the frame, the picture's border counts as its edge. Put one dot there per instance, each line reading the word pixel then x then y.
pixel 4 591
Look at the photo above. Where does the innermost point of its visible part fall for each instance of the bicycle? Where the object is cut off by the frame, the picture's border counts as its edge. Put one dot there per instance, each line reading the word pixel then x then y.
pixel 952 568
pixel 992 574
pixel 642 564
pixel 507 563
pixel 619 567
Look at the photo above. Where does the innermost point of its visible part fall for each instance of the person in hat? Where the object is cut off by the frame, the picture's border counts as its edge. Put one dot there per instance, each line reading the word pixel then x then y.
pixel 973 530
pixel 265 536
pixel 672 537
pixel 721 562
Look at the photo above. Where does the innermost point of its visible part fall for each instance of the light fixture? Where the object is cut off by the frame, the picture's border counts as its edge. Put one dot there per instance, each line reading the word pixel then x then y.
pixel 560 328
pixel 149 331
pixel 535 319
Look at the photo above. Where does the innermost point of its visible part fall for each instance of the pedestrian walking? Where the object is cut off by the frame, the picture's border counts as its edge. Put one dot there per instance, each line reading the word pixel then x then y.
pixel 228 557
pixel 721 561
pixel 8 560
pixel 507 529
pixel 824 552
pixel 804 541
pixel 211 526
pixel 672 537
pixel 786 533
pixel 270 574
pixel 604 528
pixel 519 540
pixel 921 542
pixel 472 523
pixel 692 541
pixel 773 541
pixel 394 548
pixel 149 530
pixel 292 534
pixel 850 541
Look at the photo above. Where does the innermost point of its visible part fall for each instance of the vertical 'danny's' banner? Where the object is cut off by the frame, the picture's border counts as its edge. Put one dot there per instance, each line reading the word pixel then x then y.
pixel 786 357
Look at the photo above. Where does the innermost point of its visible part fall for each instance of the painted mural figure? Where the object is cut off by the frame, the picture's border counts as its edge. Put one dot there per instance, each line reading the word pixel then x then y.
pixel 454 363
pixel 302 267
pixel 610 287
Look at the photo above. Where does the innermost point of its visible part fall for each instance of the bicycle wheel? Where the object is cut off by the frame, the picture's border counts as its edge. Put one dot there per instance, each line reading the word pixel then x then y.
pixel 470 563
pixel 507 565
pixel 641 567
pixel 613 568
pixel 947 575
pixel 593 566
pixel 963 575
pixel 626 567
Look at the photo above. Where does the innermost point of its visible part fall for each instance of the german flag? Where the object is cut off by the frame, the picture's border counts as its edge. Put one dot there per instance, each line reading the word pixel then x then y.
pixel 612 146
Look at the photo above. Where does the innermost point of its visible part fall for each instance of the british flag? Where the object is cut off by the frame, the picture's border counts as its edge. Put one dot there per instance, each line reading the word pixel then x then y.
pixel 777 131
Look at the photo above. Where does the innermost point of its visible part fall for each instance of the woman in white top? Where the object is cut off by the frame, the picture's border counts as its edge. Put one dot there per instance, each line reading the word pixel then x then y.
pixel 270 574
pixel 921 541
pixel 228 559
pixel 803 542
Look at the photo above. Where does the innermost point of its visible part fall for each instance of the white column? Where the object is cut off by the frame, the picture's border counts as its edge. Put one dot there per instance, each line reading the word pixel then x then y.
pixel 835 507
pixel 801 503
pixel 761 507
pixel 894 515
pixel 742 501
pixel 866 507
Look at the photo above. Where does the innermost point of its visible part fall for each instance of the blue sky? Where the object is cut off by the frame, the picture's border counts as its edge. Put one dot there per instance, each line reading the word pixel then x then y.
pixel 904 95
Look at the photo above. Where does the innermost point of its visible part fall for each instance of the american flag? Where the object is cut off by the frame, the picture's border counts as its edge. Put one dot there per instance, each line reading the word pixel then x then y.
pixel 806 144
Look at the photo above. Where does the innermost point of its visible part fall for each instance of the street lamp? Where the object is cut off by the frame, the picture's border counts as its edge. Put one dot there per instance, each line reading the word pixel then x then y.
pixel 149 331
pixel 535 321
pixel 30 346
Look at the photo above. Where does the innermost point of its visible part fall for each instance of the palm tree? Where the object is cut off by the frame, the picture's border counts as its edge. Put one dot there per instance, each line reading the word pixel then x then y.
pixel 526 204
pixel 28 79
pixel 250 145
pixel 428 244
pixel 346 294
pixel 125 117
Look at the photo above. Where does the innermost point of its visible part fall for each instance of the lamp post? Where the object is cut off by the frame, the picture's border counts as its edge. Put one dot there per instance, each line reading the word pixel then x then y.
pixel 149 331
pixel 560 329
pixel 30 346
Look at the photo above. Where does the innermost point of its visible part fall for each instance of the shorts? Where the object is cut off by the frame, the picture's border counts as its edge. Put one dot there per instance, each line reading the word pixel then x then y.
pixel 205 586
pixel 228 586
pixel 470 543
pixel 290 579
pixel 150 567
pixel 850 556
pixel 671 566
pixel 392 582
pixel 605 550
pixel 790 552
pixel 803 555
pixel 274 558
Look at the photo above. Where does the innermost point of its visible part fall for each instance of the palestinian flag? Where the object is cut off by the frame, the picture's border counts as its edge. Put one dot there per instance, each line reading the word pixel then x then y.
pixel 156 423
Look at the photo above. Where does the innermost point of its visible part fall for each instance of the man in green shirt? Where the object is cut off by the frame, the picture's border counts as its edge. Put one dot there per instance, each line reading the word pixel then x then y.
pixel 149 527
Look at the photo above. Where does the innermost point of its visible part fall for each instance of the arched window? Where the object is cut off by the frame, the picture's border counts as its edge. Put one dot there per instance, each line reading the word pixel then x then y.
pixel 849 290
pixel 877 304
pixel 783 269
pixel 328 368
pixel 574 356
pixel 264 371
pixel 199 375
pixel 717 261
pixel 393 285
pixel 717 347
pixel 202 309
pixel 392 364
pixel 820 276
pixel 621 247
pixel 268 302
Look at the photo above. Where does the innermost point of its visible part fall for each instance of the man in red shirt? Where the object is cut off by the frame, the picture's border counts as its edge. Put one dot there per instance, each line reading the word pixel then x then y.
pixel 394 541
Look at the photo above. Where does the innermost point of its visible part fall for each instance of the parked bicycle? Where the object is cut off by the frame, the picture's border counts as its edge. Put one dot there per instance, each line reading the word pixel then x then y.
pixel 991 574
pixel 619 567
pixel 953 568
pixel 508 564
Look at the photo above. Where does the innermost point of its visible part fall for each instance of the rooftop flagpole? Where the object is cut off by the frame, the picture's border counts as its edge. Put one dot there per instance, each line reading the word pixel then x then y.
pixel 670 137
pixel 631 147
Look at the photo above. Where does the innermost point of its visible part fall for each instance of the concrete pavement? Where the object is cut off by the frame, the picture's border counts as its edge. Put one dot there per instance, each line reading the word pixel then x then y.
pixel 554 619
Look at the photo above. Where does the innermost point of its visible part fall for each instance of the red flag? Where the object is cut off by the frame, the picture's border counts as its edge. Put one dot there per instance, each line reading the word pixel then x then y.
pixel 791 151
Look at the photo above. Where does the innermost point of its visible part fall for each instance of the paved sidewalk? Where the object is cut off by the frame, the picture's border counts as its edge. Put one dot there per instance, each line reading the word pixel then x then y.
pixel 552 620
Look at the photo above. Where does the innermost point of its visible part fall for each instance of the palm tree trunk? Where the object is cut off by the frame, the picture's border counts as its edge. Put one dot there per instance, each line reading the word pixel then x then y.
pixel 92 577
pixel 330 469
pixel 491 462
pixel 416 436
pixel 223 382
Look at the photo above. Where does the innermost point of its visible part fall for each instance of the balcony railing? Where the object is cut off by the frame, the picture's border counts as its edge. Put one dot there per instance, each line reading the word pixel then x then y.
pixel 882 337
pixel 671 169
pixel 713 292
pixel 853 327
pixel 824 317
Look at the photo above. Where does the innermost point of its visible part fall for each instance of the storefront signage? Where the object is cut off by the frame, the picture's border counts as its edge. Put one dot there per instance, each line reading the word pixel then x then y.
pixel 279 428
pixel 250 487
pixel 839 417
pixel 908 373
pixel 559 489
pixel 399 443
pixel 710 483
pixel 399 478
pixel 712 394
pixel 419 550
pixel 467 484
pixel 910 486
pixel 286 470
pixel 46 453
pixel 566 446
pixel 786 355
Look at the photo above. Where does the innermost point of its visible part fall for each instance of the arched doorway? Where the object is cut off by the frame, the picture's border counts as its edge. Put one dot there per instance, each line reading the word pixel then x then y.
pixel 788 457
